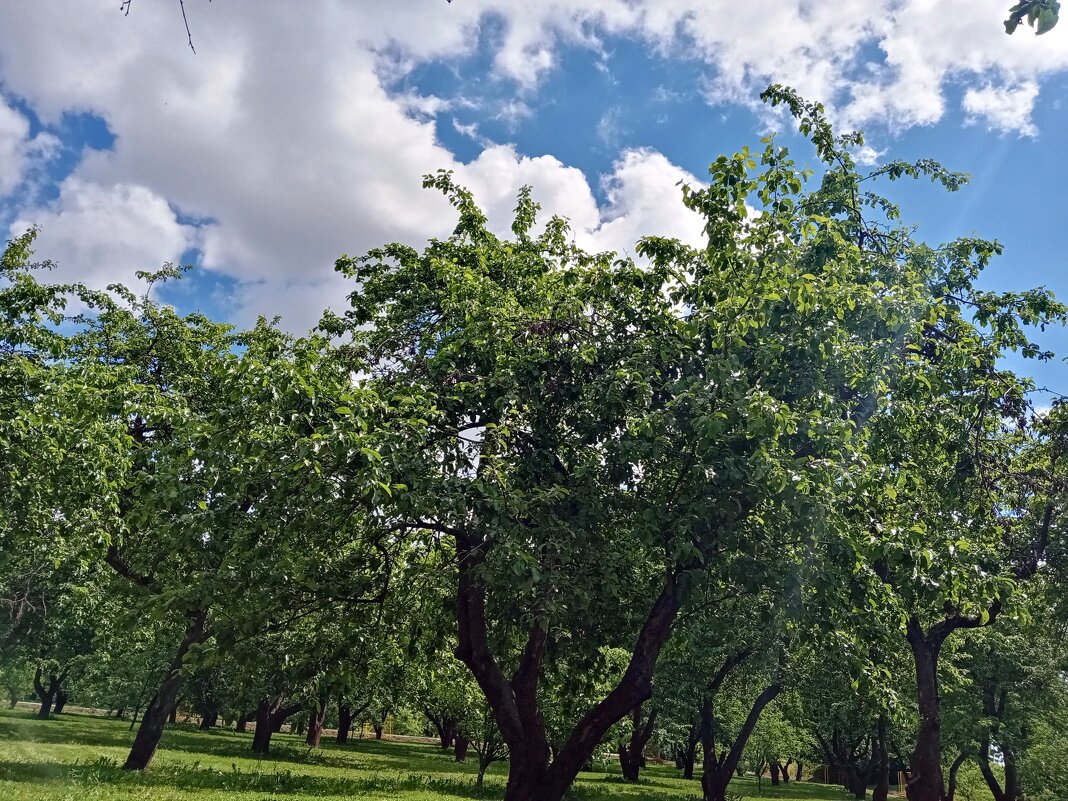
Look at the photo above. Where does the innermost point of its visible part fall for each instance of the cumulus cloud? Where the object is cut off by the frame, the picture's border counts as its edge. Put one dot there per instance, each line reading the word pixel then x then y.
pixel 644 198
pixel 18 150
pixel 104 234
pixel 1004 109
pixel 283 133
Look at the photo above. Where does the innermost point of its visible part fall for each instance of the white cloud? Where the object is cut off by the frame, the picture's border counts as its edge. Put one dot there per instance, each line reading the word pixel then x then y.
pixel 1004 109
pixel 283 131
pixel 644 198
pixel 100 235
pixel 18 150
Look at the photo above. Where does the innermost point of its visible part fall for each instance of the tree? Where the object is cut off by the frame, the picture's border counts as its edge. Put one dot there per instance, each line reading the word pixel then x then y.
pixel 574 403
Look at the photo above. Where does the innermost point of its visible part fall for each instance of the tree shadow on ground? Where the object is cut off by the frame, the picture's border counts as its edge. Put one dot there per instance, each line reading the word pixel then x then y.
pixel 196 777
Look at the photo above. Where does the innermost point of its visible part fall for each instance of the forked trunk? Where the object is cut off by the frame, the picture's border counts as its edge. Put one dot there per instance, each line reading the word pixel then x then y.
pixel 270 715
pixel 631 757
pixel 533 774
pixel 166 698
pixel 719 769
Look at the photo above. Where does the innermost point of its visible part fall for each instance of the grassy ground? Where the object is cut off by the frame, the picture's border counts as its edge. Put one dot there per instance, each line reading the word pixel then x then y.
pixel 78 758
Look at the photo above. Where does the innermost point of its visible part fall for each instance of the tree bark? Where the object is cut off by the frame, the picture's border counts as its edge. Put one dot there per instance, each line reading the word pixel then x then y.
pixel 773 769
pixel 316 716
pixel 951 789
pixel 242 722
pixel 881 759
pixel 797 771
pixel 166 698
pixel 1011 790
pixel 631 752
pixel 61 702
pixel 261 736
pixel 462 744
pixel 689 753
pixel 344 722
pixel 270 715
pixel 926 783
pixel 784 769
pixel 346 716
pixel 445 726
pixel 719 770
pixel 47 694
pixel 533 774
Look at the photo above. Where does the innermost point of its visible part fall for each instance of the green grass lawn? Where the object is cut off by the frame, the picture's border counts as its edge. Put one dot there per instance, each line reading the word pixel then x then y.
pixel 78 758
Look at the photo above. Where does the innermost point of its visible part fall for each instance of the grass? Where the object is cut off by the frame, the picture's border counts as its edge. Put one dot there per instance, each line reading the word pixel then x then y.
pixel 79 758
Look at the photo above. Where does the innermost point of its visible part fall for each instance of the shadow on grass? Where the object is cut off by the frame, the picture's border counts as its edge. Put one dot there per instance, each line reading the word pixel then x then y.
pixel 230 745
pixel 197 777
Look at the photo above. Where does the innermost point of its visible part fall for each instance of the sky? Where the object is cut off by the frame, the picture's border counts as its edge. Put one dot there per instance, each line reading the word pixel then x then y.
pixel 299 131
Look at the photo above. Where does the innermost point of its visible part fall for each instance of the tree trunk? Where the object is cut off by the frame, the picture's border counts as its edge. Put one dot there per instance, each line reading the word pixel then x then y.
pixel 261 737
pixel 47 694
pixel 689 753
pixel 797 772
pixel 773 769
pixel 166 698
pixel 631 752
pixel 61 702
pixel 1011 790
pixel 270 715
pixel 784 769
pixel 926 783
pixel 344 722
pixel 718 770
pixel 462 744
pixel 12 698
pixel 173 716
pixel 534 774
pixel 316 716
pixel 951 790
pixel 881 759
pixel 242 722
pixel 209 719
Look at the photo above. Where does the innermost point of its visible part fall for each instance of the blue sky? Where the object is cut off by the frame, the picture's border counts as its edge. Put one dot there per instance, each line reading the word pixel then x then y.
pixel 295 135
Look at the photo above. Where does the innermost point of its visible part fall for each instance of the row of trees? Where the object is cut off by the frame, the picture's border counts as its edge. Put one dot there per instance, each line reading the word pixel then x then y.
pixel 775 499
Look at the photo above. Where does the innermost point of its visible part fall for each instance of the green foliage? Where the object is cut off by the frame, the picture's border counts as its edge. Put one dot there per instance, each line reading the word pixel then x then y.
pixel 1041 15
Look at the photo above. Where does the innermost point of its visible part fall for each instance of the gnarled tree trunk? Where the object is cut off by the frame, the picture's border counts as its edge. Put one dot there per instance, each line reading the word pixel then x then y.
pixel 534 775
pixel 48 694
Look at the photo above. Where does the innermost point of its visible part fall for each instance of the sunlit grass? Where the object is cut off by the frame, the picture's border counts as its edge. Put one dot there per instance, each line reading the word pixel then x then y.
pixel 79 758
